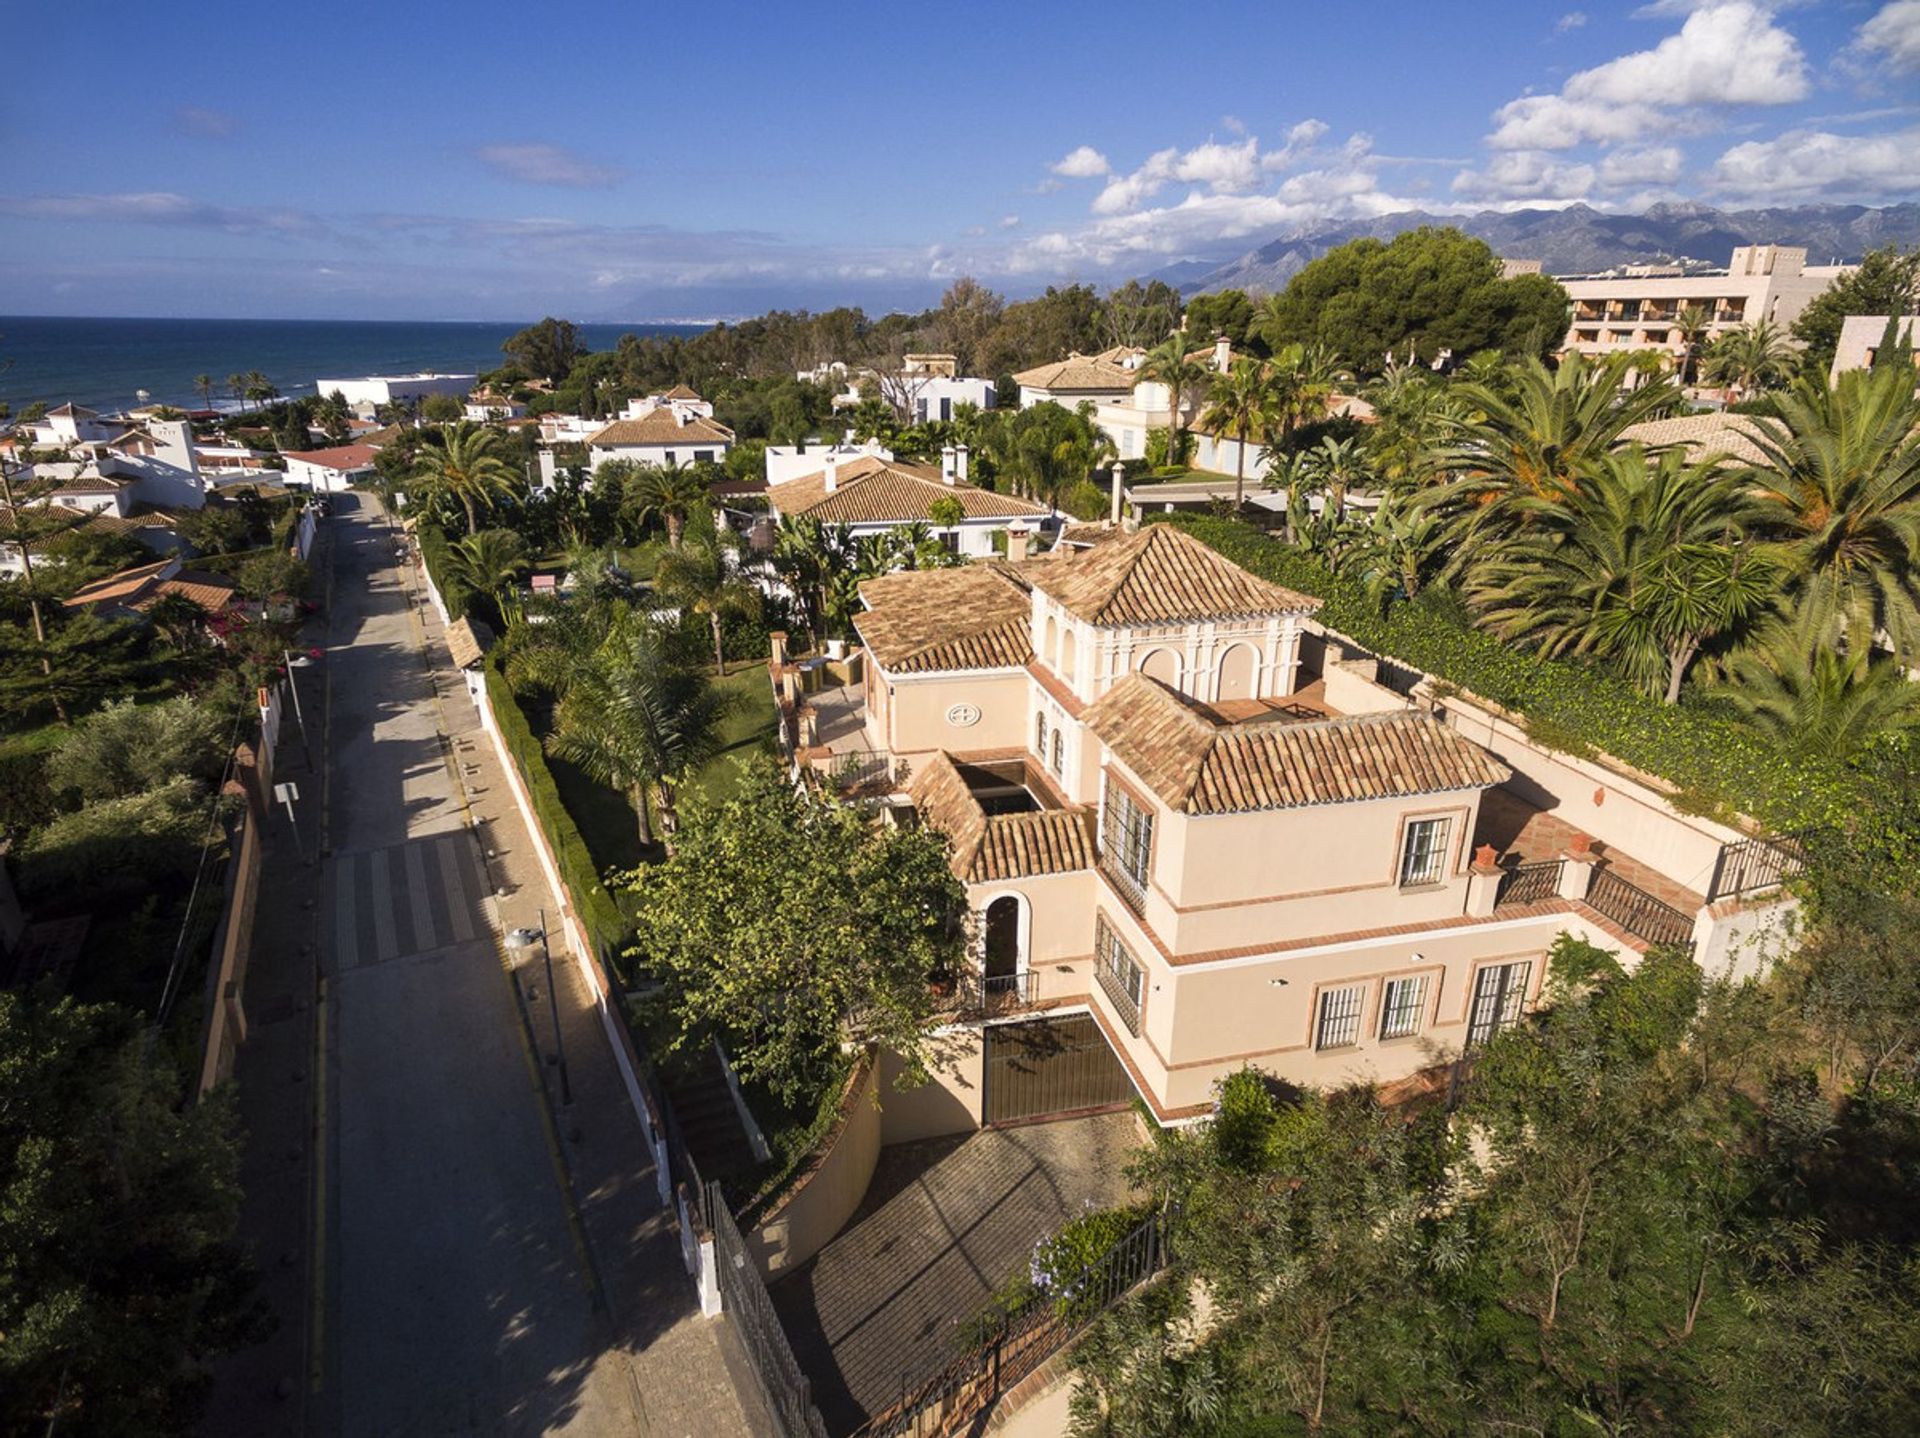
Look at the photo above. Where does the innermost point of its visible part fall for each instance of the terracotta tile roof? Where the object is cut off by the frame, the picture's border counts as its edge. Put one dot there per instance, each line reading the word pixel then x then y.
pixel 870 490
pixel 100 522
pixel 341 457
pixel 1002 846
pixel 978 616
pixel 661 426
pixel 681 391
pixel 141 587
pixel 1161 575
pixel 91 484
pixel 1704 434
pixel 1085 536
pixel 1199 767
pixel 1103 371
pixel 468 641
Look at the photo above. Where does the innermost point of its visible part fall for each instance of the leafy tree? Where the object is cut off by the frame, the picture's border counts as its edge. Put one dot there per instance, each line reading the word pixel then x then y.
pixel 946 511
pixel 1045 448
pixel 155 833
pixel 214 529
pixel 797 926
pixel 967 315
pixel 124 749
pixel 441 408
pixel 1886 282
pixel 700 577
pixel 1140 316
pixel 82 659
pixel 548 350
pixel 1224 312
pixel 464 462
pixel 271 576
pixel 123 1279
pixel 636 719
pixel 1426 290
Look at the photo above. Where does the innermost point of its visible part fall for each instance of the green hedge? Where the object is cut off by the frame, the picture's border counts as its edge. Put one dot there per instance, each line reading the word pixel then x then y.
pixel 436 555
pixel 1719 765
pixel 606 929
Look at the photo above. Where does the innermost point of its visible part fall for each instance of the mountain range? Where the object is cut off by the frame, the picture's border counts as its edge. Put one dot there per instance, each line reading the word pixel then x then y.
pixel 1580 239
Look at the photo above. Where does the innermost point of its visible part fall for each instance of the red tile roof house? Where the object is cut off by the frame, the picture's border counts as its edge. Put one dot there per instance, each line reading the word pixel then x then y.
pixel 132 592
pixel 328 471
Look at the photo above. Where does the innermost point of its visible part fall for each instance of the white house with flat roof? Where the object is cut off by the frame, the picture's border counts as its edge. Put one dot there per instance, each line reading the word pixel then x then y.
pixel 371 391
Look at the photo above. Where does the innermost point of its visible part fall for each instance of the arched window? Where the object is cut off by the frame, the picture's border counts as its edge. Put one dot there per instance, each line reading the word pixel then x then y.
pixel 1068 655
pixel 1040 734
pixel 1162 664
pixel 1053 641
pixel 1059 752
pixel 1003 938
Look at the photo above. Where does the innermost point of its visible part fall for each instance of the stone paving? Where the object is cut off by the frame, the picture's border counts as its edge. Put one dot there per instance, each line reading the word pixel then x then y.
pixel 944 1224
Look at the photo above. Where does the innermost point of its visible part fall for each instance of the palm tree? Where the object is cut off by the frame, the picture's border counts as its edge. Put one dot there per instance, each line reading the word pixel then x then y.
pixel 259 388
pixel 1529 437
pixel 1168 363
pixel 1397 551
pixel 1645 563
pixel 1752 357
pixel 802 558
pixel 237 384
pixel 1816 696
pixel 1692 321
pixel 488 563
pixel 1300 382
pixel 464 462
pixel 1413 415
pixel 1239 408
pixel 667 492
pixel 700 578
pixel 1839 495
pixel 204 383
pixel 635 720
pixel 1339 465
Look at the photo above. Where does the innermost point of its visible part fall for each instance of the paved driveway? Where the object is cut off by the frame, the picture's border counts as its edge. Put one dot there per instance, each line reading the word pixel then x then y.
pixel 944 1224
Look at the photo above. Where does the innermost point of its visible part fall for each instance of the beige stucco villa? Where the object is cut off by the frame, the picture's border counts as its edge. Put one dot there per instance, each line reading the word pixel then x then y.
pixel 1211 833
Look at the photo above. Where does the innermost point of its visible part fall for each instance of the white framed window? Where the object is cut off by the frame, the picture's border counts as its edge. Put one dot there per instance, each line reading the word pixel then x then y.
pixel 1423 859
pixel 1040 734
pixel 1403 1006
pixel 1127 839
pixel 1498 992
pixel 1059 752
pixel 1338 1025
pixel 1121 978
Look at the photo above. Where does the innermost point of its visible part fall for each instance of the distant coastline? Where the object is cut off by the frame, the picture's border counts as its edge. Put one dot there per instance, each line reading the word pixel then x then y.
pixel 103 363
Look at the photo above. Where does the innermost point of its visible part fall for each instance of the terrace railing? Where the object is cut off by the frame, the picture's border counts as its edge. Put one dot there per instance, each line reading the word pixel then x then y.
pixel 744 1299
pixel 1753 865
pixel 996 994
pixel 1637 911
pixel 1530 883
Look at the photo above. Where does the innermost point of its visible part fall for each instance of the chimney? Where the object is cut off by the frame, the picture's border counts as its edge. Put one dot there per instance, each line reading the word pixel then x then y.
pixel 946 464
pixel 960 462
pixel 832 473
pixel 1222 354
pixel 1016 543
pixel 1119 483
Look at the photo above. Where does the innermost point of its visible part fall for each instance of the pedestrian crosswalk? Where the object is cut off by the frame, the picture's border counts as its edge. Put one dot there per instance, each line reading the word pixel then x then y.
pixel 406 899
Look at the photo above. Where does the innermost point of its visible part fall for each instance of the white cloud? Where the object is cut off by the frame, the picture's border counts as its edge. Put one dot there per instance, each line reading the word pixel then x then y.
pixel 1009 222
pixel 1525 175
pixel 1083 163
pixel 1811 164
pixel 203 123
pixel 1728 52
pixel 1655 165
pixel 1572 20
pixel 1892 37
pixel 1302 140
pixel 1224 169
pixel 536 164
pixel 160 207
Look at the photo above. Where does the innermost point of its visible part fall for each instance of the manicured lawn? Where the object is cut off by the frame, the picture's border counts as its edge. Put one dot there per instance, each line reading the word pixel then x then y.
pixel 747 731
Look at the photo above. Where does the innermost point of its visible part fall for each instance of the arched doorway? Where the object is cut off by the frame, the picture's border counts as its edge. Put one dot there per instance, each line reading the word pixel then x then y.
pixel 1003 937
pixel 1239 672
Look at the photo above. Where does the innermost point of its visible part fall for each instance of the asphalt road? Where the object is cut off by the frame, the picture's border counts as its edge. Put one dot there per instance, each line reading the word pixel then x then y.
pixel 456 1295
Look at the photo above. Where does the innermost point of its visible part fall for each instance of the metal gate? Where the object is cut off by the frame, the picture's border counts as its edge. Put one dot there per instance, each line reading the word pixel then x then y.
pixel 1050 1068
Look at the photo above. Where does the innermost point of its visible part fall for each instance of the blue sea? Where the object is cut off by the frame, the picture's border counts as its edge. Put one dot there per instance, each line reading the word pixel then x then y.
pixel 104 363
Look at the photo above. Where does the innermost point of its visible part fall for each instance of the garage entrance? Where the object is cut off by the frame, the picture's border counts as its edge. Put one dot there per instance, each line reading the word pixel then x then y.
pixel 1051 1068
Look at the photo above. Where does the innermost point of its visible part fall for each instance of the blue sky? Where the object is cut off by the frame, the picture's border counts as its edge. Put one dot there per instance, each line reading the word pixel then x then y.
pixel 618 162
